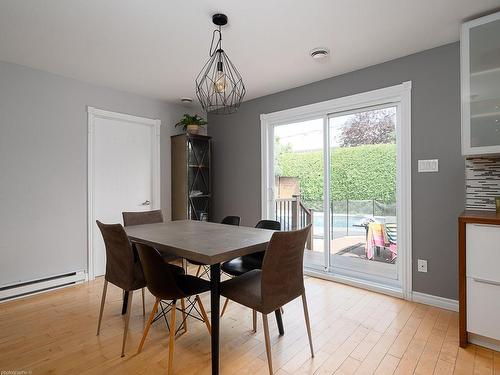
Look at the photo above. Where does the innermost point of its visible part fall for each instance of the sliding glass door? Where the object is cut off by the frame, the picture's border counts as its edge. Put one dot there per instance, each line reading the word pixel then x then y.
pixel 339 172
pixel 362 186
pixel 298 177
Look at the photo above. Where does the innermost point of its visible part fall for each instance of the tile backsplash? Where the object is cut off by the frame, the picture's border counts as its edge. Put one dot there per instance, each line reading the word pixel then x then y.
pixel 482 179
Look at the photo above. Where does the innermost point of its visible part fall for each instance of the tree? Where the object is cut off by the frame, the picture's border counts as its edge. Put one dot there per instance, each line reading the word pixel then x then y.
pixel 369 128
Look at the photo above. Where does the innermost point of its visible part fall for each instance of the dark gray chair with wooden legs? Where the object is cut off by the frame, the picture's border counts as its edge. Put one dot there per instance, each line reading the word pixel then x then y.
pixel 228 220
pixel 147 217
pixel 123 269
pixel 280 281
pixel 167 286
pixel 247 263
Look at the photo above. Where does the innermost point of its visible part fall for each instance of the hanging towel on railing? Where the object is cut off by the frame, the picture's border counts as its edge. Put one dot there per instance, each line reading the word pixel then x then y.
pixel 377 236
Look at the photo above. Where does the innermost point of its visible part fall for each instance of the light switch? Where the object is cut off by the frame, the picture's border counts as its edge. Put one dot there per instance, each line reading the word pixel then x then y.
pixel 431 165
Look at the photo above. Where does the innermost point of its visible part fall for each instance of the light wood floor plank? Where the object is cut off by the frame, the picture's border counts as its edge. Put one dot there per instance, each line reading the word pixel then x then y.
pixel 354 332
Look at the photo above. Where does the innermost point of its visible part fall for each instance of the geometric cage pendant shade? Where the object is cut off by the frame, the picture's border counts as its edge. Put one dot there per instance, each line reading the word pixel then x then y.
pixel 219 85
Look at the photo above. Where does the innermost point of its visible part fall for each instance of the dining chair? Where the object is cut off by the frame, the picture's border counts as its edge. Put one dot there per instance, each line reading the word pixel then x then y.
pixel 147 217
pixel 228 220
pixel 280 281
pixel 150 217
pixel 123 269
pixel 167 286
pixel 247 263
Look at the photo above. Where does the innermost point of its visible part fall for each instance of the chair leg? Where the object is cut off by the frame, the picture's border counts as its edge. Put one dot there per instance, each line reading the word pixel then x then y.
pixel 224 307
pixel 143 304
pixel 103 299
pixel 184 317
pixel 198 271
pixel 171 338
pixel 268 344
pixel 308 323
pixel 127 320
pixel 148 324
pixel 254 321
pixel 203 314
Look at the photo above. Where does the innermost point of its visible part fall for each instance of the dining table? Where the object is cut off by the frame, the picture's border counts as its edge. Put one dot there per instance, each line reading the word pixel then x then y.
pixel 210 244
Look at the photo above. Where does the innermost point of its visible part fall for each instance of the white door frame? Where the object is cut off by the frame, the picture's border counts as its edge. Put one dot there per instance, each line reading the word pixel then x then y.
pixel 395 94
pixel 93 114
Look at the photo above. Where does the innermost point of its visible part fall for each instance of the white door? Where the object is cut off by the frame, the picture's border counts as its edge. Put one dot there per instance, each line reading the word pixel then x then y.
pixel 125 161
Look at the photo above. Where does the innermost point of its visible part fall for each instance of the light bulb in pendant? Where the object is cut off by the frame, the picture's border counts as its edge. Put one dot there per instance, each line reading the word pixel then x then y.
pixel 220 79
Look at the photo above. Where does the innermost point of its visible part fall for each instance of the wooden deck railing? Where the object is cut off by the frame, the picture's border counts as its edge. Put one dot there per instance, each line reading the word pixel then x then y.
pixel 293 215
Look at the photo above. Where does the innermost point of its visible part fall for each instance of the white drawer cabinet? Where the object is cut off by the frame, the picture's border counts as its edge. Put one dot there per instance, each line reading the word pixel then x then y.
pixel 483 308
pixel 483 252
pixel 480 277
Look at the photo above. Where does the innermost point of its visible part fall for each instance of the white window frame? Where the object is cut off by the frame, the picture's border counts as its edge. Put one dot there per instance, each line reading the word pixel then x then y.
pixel 93 114
pixel 401 96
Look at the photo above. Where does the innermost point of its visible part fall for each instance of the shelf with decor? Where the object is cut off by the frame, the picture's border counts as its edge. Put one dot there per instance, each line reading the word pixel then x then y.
pixel 191 180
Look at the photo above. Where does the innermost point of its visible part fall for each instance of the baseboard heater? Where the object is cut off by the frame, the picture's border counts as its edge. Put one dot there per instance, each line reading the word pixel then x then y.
pixel 13 291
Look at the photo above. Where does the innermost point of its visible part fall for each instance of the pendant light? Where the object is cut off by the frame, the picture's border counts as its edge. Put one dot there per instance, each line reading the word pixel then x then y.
pixel 219 86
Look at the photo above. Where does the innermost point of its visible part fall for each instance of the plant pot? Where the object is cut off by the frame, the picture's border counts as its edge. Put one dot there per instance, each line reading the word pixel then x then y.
pixel 193 129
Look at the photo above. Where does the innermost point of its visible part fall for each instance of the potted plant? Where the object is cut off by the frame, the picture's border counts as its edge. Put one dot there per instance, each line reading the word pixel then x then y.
pixel 191 124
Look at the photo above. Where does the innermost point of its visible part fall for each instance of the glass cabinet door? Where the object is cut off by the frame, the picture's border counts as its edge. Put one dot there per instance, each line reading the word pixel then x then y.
pixel 481 85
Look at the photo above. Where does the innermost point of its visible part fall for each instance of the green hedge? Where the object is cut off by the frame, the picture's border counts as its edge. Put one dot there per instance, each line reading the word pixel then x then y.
pixel 357 173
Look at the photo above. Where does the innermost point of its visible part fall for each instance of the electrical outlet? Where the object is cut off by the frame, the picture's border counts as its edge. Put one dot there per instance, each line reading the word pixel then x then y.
pixel 422 265
pixel 431 165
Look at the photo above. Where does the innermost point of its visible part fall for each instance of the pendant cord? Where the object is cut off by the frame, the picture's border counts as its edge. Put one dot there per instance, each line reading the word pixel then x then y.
pixel 218 45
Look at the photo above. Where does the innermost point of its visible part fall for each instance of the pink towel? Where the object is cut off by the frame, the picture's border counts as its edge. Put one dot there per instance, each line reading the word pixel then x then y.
pixel 376 237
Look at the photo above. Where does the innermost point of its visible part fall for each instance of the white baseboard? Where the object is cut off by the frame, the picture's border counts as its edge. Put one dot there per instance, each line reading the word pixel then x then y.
pixel 441 302
pixel 11 292
pixel 484 341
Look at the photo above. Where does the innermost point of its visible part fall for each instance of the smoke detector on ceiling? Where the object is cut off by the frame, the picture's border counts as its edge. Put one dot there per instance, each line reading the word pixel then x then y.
pixel 319 53
pixel 186 100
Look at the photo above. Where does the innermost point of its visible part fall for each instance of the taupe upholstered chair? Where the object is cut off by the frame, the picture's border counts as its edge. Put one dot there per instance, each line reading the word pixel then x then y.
pixel 280 281
pixel 246 263
pixel 123 269
pixel 167 286
pixel 142 217
pixel 147 217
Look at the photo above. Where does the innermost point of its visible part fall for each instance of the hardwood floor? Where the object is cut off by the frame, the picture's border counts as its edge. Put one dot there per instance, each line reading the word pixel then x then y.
pixel 354 332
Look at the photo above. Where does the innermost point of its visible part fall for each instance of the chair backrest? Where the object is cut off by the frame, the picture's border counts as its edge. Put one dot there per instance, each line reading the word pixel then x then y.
pixel 282 269
pixel 269 224
pixel 231 220
pixel 159 278
pixel 120 263
pixel 263 224
pixel 142 217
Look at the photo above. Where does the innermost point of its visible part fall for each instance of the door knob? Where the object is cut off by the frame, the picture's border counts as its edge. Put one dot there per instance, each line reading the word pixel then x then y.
pixel 146 203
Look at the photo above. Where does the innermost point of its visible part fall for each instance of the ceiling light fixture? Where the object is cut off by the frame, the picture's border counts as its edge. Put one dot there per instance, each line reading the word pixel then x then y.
pixel 319 53
pixel 219 86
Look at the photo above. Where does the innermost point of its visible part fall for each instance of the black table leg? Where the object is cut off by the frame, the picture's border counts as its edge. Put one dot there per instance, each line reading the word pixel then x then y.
pixel 214 315
pixel 279 321
pixel 125 302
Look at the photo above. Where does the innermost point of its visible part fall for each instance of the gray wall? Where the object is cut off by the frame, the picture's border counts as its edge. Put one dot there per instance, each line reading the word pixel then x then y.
pixel 43 166
pixel 437 197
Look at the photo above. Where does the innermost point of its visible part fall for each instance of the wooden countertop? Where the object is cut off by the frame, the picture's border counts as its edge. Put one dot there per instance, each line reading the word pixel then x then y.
pixel 480 217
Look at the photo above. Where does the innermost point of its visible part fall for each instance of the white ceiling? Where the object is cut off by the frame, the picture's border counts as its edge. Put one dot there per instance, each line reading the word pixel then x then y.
pixel 157 47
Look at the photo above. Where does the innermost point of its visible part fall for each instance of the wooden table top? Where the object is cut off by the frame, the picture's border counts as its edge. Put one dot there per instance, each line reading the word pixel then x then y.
pixel 480 217
pixel 208 243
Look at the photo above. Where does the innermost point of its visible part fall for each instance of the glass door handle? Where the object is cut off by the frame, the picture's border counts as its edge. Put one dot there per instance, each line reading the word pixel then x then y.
pixel 145 203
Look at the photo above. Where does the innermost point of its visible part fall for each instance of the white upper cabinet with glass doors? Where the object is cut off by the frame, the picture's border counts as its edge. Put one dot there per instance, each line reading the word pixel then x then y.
pixel 480 78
